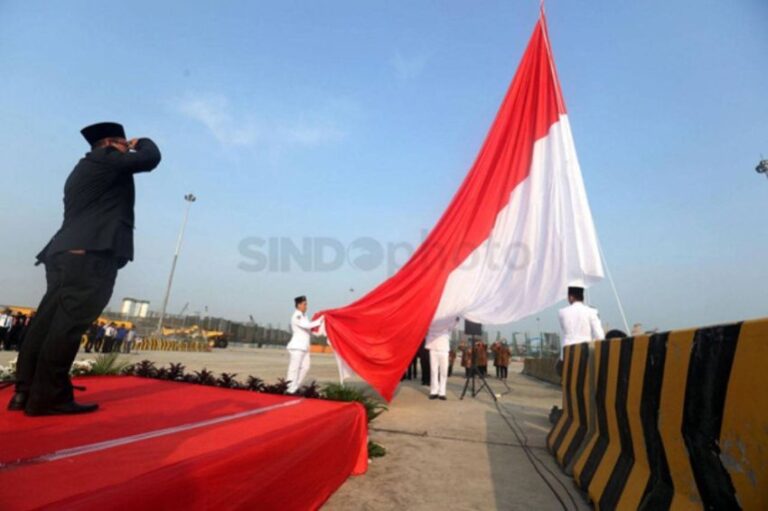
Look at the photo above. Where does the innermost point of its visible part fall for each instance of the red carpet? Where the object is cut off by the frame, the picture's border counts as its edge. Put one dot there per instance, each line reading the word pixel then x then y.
pixel 163 445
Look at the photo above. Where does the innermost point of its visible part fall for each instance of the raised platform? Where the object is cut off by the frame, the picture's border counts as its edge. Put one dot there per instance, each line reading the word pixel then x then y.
pixel 164 445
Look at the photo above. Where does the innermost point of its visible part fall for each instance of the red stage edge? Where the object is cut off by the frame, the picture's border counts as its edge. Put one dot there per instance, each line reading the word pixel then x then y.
pixel 164 445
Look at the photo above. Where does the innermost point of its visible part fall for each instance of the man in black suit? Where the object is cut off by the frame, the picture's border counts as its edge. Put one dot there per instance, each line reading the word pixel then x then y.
pixel 81 264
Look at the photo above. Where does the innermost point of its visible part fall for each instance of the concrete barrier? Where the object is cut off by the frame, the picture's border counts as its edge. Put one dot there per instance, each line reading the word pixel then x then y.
pixel 569 432
pixel 668 421
pixel 542 369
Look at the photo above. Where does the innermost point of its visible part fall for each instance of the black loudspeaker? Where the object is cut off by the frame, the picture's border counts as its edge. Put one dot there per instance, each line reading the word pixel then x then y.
pixel 472 328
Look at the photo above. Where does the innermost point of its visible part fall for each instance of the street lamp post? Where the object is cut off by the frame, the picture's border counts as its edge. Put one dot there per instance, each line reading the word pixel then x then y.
pixel 190 199
pixel 541 337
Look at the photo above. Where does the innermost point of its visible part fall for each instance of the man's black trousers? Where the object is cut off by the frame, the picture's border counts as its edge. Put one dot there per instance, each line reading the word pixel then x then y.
pixel 4 341
pixel 425 369
pixel 108 344
pixel 79 287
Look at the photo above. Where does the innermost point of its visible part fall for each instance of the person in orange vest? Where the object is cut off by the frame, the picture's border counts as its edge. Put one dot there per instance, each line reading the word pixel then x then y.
pixel 466 357
pixel 503 355
pixel 495 347
pixel 481 352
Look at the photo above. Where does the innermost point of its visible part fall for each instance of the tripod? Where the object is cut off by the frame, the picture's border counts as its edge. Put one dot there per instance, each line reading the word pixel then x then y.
pixel 475 373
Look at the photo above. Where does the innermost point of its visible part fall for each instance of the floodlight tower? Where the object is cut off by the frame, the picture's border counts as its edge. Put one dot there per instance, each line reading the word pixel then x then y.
pixel 189 198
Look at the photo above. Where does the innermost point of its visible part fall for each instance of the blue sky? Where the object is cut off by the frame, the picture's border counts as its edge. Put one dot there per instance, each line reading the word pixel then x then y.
pixel 343 120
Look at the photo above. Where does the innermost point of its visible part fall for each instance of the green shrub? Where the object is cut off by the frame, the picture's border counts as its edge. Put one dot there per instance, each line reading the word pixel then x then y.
pixel 375 450
pixel 338 392
pixel 107 364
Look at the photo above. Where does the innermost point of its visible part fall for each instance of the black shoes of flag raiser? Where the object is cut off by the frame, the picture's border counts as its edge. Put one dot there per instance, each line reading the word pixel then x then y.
pixel 18 403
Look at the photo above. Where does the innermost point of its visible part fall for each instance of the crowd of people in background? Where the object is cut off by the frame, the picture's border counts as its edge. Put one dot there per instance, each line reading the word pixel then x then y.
pixel 13 326
pixel 102 337
pixel 499 352
pixel 105 337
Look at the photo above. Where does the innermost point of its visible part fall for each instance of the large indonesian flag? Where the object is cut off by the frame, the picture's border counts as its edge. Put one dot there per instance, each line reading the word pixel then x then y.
pixel 517 232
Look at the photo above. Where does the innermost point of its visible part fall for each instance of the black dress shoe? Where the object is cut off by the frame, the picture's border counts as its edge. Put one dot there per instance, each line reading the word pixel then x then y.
pixel 71 408
pixel 18 402
pixel 433 396
pixel 554 415
pixel 443 398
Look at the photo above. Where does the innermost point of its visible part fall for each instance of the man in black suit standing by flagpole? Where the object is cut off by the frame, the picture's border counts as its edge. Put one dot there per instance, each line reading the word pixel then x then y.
pixel 81 264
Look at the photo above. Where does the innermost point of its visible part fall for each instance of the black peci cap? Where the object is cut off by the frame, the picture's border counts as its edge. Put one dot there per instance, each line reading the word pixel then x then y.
pixel 299 299
pixel 576 292
pixel 102 130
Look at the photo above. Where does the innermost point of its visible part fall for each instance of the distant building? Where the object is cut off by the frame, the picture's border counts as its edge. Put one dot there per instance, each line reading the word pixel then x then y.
pixel 131 307
pixel 126 309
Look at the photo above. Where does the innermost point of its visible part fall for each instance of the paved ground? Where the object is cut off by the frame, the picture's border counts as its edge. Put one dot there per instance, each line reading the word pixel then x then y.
pixel 458 455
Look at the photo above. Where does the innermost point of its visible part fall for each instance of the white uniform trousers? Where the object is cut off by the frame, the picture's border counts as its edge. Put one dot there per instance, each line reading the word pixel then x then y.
pixel 438 369
pixel 298 367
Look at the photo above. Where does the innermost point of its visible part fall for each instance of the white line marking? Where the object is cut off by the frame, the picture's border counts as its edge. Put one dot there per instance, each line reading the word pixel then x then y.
pixel 109 444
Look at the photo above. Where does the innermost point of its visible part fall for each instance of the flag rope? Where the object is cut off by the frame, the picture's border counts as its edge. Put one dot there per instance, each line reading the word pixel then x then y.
pixel 613 285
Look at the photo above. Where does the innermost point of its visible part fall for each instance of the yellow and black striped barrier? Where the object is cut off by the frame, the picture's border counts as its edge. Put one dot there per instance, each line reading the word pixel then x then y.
pixel 154 344
pixel 568 434
pixel 668 421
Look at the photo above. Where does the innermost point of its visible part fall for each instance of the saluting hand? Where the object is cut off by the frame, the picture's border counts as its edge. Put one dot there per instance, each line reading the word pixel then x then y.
pixel 132 143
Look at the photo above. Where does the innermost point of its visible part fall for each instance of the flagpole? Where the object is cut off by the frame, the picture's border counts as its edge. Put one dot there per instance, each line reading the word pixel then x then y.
pixel 555 77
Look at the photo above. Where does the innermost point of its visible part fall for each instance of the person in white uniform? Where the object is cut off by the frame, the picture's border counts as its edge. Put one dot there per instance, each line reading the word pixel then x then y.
pixel 579 322
pixel 439 345
pixel 298 346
